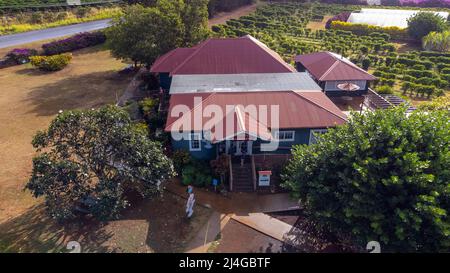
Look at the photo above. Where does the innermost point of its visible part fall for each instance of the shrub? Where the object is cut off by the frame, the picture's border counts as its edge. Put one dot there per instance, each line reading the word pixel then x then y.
pixel 422 23
pixel 437 41
pixel 385 89
pixel 21 55
pixel 365 29
pixel 366 63
pixel 51 63
pixel 75 42
pixel 197 173
pixel 180 158
pixel 148 107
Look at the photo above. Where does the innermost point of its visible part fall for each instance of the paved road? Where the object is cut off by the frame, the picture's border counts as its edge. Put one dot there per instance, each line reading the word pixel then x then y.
pixel 50 33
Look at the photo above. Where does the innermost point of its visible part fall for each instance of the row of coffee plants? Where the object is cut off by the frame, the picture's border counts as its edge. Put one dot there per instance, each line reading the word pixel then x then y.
pixel 283 28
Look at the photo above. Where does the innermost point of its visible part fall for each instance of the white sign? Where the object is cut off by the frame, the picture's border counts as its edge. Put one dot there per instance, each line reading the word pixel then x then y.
pixel 264 178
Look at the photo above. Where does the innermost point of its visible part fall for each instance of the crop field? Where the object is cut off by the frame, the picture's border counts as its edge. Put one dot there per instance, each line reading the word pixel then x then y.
pixel 32 3
pixel 413 74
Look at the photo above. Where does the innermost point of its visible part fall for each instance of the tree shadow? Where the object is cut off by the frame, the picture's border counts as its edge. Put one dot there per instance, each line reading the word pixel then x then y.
pixel 169 230
pixel 85 91
pixel 154 225
pixel 34 231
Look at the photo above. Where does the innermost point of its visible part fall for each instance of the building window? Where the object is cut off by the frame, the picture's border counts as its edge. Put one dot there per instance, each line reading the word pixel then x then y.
pixel 285 135
pixel 195 142
pixel 314 135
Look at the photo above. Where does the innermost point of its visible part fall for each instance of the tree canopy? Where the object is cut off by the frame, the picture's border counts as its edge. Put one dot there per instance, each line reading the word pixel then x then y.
pixel 91 159
pixel 141 34
pixel 383 176
pixel 423 23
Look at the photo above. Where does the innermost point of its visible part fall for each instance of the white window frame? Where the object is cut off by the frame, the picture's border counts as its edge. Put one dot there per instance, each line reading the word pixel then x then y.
pixel 312 132
pixel 195 137
pixel 278 133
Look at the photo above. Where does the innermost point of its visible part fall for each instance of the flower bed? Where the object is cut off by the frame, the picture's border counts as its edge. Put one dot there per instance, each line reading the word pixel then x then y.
pixel 78 41
pixel 51 63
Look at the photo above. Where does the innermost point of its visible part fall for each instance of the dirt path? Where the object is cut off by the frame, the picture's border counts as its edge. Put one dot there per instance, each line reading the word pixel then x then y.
pixel 29 100
pixel 222 17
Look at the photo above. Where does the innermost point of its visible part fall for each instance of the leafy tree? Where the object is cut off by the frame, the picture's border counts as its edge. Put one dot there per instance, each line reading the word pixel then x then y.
pixel 195 19
pixel 383 176
pixel 142 34
pixel 423 23
pixel 91 159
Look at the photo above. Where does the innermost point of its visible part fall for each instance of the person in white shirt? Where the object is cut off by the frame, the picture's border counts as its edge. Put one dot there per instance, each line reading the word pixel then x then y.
pixel 190 202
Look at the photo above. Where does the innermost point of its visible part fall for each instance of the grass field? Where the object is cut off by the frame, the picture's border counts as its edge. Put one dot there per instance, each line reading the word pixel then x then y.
pixel 29 99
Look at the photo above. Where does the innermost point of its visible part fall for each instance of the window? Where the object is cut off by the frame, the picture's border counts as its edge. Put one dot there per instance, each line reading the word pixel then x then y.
pixel 314 135
pixel 195 142
pixel 285 135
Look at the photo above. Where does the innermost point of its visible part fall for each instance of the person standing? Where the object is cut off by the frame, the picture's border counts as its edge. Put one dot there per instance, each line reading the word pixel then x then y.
pixel 190 202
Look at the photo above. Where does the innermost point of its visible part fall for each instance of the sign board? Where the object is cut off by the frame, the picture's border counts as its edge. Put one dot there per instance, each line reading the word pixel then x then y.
pixel 264 178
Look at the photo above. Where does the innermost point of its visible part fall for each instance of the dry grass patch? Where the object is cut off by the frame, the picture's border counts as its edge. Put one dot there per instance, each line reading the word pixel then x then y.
pixel 318 25
pixel 29 100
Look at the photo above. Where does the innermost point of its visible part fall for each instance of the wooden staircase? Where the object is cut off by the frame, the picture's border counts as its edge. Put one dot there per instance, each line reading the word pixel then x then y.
pixel 242 175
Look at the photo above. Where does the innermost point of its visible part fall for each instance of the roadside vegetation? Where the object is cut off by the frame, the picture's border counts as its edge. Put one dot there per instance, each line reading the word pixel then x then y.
pixel 28 21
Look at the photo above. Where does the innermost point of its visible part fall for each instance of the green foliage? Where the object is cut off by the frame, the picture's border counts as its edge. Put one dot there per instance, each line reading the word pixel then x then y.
pixel 90 159
pixel 441 103
pixel 385 89
pixel 181 158
pixel 148 107
pixel 437 41
pixel 51 63
pixel 383 176
pixel 141 34
pixel 26 21
pixel 197 173
pixel 365 29
pixel 423 23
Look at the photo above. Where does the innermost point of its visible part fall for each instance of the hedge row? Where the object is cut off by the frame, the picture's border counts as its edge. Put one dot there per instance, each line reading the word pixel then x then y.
pixel 365 29
pixel 78 41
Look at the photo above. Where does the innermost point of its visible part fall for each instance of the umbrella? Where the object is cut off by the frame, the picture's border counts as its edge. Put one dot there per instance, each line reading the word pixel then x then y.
pixel 348 86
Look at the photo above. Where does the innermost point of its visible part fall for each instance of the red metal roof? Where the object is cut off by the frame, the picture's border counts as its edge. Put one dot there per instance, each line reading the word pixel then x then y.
pixel 328 66
pixel 296 110
pixel 223 56
pixel 171 60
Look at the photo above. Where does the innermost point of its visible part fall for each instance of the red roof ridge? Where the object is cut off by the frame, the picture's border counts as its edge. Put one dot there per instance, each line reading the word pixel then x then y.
pixel 346 62
pixel 299 93
pixel 329 70
pixel 197 49
pixel 163 58
pixel 266 49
